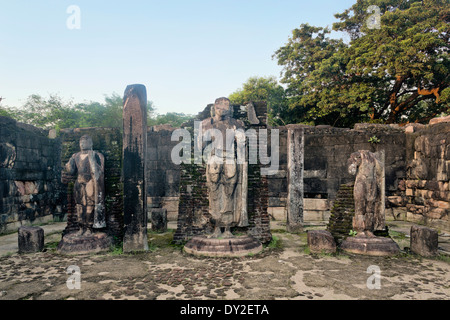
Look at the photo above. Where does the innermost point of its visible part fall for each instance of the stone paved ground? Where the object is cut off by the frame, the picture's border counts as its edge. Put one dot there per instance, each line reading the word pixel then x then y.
pixel 284 270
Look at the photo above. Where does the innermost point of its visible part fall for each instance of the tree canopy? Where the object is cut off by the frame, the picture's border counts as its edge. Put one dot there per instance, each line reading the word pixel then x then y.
pixel 263 89
pixel 55 113
pixel 175 119
pixel 395 72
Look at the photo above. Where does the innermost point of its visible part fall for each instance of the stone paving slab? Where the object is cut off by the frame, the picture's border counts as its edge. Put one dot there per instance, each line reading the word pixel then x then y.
pixel 285 270
pixel 52 233
pixel 9 243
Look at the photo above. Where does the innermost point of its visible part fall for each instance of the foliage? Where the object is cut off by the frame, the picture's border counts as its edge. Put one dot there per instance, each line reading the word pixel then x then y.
pixel 116 250
pixel 51 245
pixel 5 112
pixel 352 233
pixel 172 118
pixel 53 112
pixel 275 243
pixel 397 73
pixel 308 48
pixel 263 89
pixel 374 140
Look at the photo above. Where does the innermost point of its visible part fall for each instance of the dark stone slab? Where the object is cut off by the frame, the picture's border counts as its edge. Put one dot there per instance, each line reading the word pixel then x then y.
pixel 73 243
pixel 424 241
pixel 158 219
pixel 31 239
pixel 321 241
pixel 134 155
pixel 370 246
pixel 232 247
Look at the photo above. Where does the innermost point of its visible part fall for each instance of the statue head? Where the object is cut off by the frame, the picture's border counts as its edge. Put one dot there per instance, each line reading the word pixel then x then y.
pixel 86 143
pixel 222 108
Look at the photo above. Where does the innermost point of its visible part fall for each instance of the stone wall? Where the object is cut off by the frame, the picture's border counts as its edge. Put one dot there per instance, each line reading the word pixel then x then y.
pixel 417 166
pixel 325 163
pixel 426 189
pixel 326 152
pixel 30 189
pixel 193 212
pixel 163 176
pixel 277 182
pixel 107 141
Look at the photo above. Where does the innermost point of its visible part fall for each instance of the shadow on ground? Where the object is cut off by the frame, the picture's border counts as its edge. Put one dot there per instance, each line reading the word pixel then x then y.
pixel 284 270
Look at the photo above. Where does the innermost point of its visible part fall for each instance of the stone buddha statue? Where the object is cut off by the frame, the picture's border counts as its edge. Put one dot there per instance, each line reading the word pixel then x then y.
pixel 226 176
pixel 89 187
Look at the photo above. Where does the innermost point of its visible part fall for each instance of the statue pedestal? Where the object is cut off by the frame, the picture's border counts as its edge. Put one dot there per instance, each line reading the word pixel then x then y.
pixel 231 247
pixel 370 246
pixel 75 244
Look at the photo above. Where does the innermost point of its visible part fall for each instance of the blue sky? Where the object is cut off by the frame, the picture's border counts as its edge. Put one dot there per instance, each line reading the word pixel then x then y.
pixel 187 53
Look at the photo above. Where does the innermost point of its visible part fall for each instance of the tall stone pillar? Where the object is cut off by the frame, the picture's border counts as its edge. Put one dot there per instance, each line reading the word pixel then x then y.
pixel 295 158
pixel 134 154
pixel 381 204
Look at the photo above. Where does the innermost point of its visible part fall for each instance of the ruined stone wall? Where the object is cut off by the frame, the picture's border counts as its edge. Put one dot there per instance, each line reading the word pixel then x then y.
pixel 426 189
pixel 163 176
pixel 193 212
pixel 326 152
pixel 325 163
pixel 277 183
pixel 30 189
pixel 107 141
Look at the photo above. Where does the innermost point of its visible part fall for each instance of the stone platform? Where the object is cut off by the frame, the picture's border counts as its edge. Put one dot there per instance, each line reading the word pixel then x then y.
pixel 231 247
pixel 376 246
pixel 76 244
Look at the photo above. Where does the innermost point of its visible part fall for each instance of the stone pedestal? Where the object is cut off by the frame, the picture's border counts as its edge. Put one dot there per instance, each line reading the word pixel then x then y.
pixel 73 243
pixel 424 241
pixel 158 219
pixel 321 241
pixel 232 247
pixel 371 246
pixel 31 239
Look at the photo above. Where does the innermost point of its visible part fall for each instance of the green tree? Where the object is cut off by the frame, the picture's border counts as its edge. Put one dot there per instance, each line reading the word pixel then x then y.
pixel 47 113
pixel 108 114
pixel 6 112
pixel 56 113
pixel 305 53
pixel 397 72
pixel 264 89
pixel 173 118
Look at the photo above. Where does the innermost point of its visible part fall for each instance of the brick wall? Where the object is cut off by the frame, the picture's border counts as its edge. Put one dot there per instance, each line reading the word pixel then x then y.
pixel 107 141
pixel 193 212
pixel 163 176
pixel 325 163
pixel 30 189
pixel 426 190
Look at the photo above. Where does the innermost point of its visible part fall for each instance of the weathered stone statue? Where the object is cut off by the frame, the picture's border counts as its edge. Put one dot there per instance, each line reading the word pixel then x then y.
pixel 369 202
pixel 367 192
pixel 226 175
pixel 89 188
pixel 89 195
pixel 222 144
